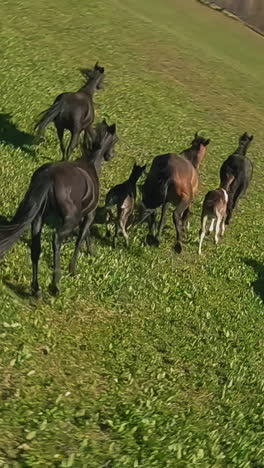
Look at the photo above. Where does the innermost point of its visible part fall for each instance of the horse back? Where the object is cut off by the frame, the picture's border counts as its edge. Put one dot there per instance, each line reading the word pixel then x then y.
pixel 184 180
pixel 240 167
pixel 75 187
pixel 76 108
pixel 171 178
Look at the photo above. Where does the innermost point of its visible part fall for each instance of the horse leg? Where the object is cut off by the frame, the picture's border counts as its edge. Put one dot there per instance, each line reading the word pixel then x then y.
pixel 238 194
pixel 83 235
pixel 60 133
pixel 234 194
pixel 185 218
pixel 117 226
pixel 217 228
pixel 177 223
pixel 223 225
pixel 36 228
pixel 151 239
pixel 177 220
pixel 202 233
pixel 75 135
pixel 91 131
pixel 162 220
pixel 69 224
pixel 56 245
pixel 211 228
pixel 230 205
pixel 89 247
pixel 107 222
pixel 123 222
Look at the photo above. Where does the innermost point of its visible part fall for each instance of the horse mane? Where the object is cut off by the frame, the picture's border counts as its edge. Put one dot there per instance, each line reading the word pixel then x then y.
pixel 89 144
pixel 191 153
pixel 88 74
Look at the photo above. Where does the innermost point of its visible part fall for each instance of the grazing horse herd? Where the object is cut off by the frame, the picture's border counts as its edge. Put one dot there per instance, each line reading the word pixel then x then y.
pixel 65 194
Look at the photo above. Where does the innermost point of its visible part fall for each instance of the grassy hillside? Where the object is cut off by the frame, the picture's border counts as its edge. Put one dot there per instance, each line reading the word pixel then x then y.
pixel 146 359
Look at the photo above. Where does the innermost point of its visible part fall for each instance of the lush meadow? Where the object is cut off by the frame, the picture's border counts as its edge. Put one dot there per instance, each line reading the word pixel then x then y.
pixel 146 359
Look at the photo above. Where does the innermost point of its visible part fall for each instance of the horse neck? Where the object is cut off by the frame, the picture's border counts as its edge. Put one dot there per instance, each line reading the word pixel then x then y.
pixel 98 159
pixel 89 87
pixel 192 155
pixel 94 158
pixel 133 178
pixel 242 149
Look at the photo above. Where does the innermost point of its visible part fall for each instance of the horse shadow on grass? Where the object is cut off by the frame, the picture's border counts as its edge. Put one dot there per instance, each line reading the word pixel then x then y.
pixel 258 284
pixel 18 289
pixel 11 135
pixel 4 221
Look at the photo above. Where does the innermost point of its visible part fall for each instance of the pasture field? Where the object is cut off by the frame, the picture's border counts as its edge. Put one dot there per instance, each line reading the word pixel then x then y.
pixel 146 359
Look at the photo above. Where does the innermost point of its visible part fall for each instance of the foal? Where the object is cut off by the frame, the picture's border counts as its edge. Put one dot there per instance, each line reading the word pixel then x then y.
pixel 124 197
pixel 173 178
pixel 215 209
pixel 67 192
pixel 73 111
pixel 240 167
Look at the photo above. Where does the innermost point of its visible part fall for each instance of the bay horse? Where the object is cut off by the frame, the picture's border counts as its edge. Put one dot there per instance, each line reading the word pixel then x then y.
pixel 173 178
pixel 66 192
pixel 241 168
pixel 73 111
pixel 123 196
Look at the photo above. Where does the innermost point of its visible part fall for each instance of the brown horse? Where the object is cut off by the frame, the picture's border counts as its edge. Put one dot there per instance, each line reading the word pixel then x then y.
pixel 172 179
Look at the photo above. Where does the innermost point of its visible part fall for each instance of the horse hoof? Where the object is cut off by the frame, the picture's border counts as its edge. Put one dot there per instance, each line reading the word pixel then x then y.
pixel 178 248
pixel 54 291
pixel 36 294
pixel 152 240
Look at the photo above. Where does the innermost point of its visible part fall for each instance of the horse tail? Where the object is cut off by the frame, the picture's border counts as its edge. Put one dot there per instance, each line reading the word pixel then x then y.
pixel 48 116
pixel 33 203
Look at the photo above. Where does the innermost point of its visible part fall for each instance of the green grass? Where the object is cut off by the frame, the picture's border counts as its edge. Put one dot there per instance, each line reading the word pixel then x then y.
pixel 146 359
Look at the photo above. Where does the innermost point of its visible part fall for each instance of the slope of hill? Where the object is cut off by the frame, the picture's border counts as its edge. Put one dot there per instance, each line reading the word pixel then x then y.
pixel 146 358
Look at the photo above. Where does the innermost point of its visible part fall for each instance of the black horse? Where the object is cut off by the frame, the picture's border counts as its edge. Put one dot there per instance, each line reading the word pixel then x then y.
pixel 73 111
pixel 240 168
pixel 67 192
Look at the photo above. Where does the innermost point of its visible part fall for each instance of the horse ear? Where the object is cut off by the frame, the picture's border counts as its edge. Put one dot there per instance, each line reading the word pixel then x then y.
pixel 96 65
pixel 144 167
pixel 196 135
pixel 101 69
pixel 207 142
pixel 251 138
pixel 112 129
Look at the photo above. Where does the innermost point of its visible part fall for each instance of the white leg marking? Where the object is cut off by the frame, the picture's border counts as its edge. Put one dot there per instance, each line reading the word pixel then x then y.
pixel 211 228
pixel 223 226
pixel 202 234
pixel 217 228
